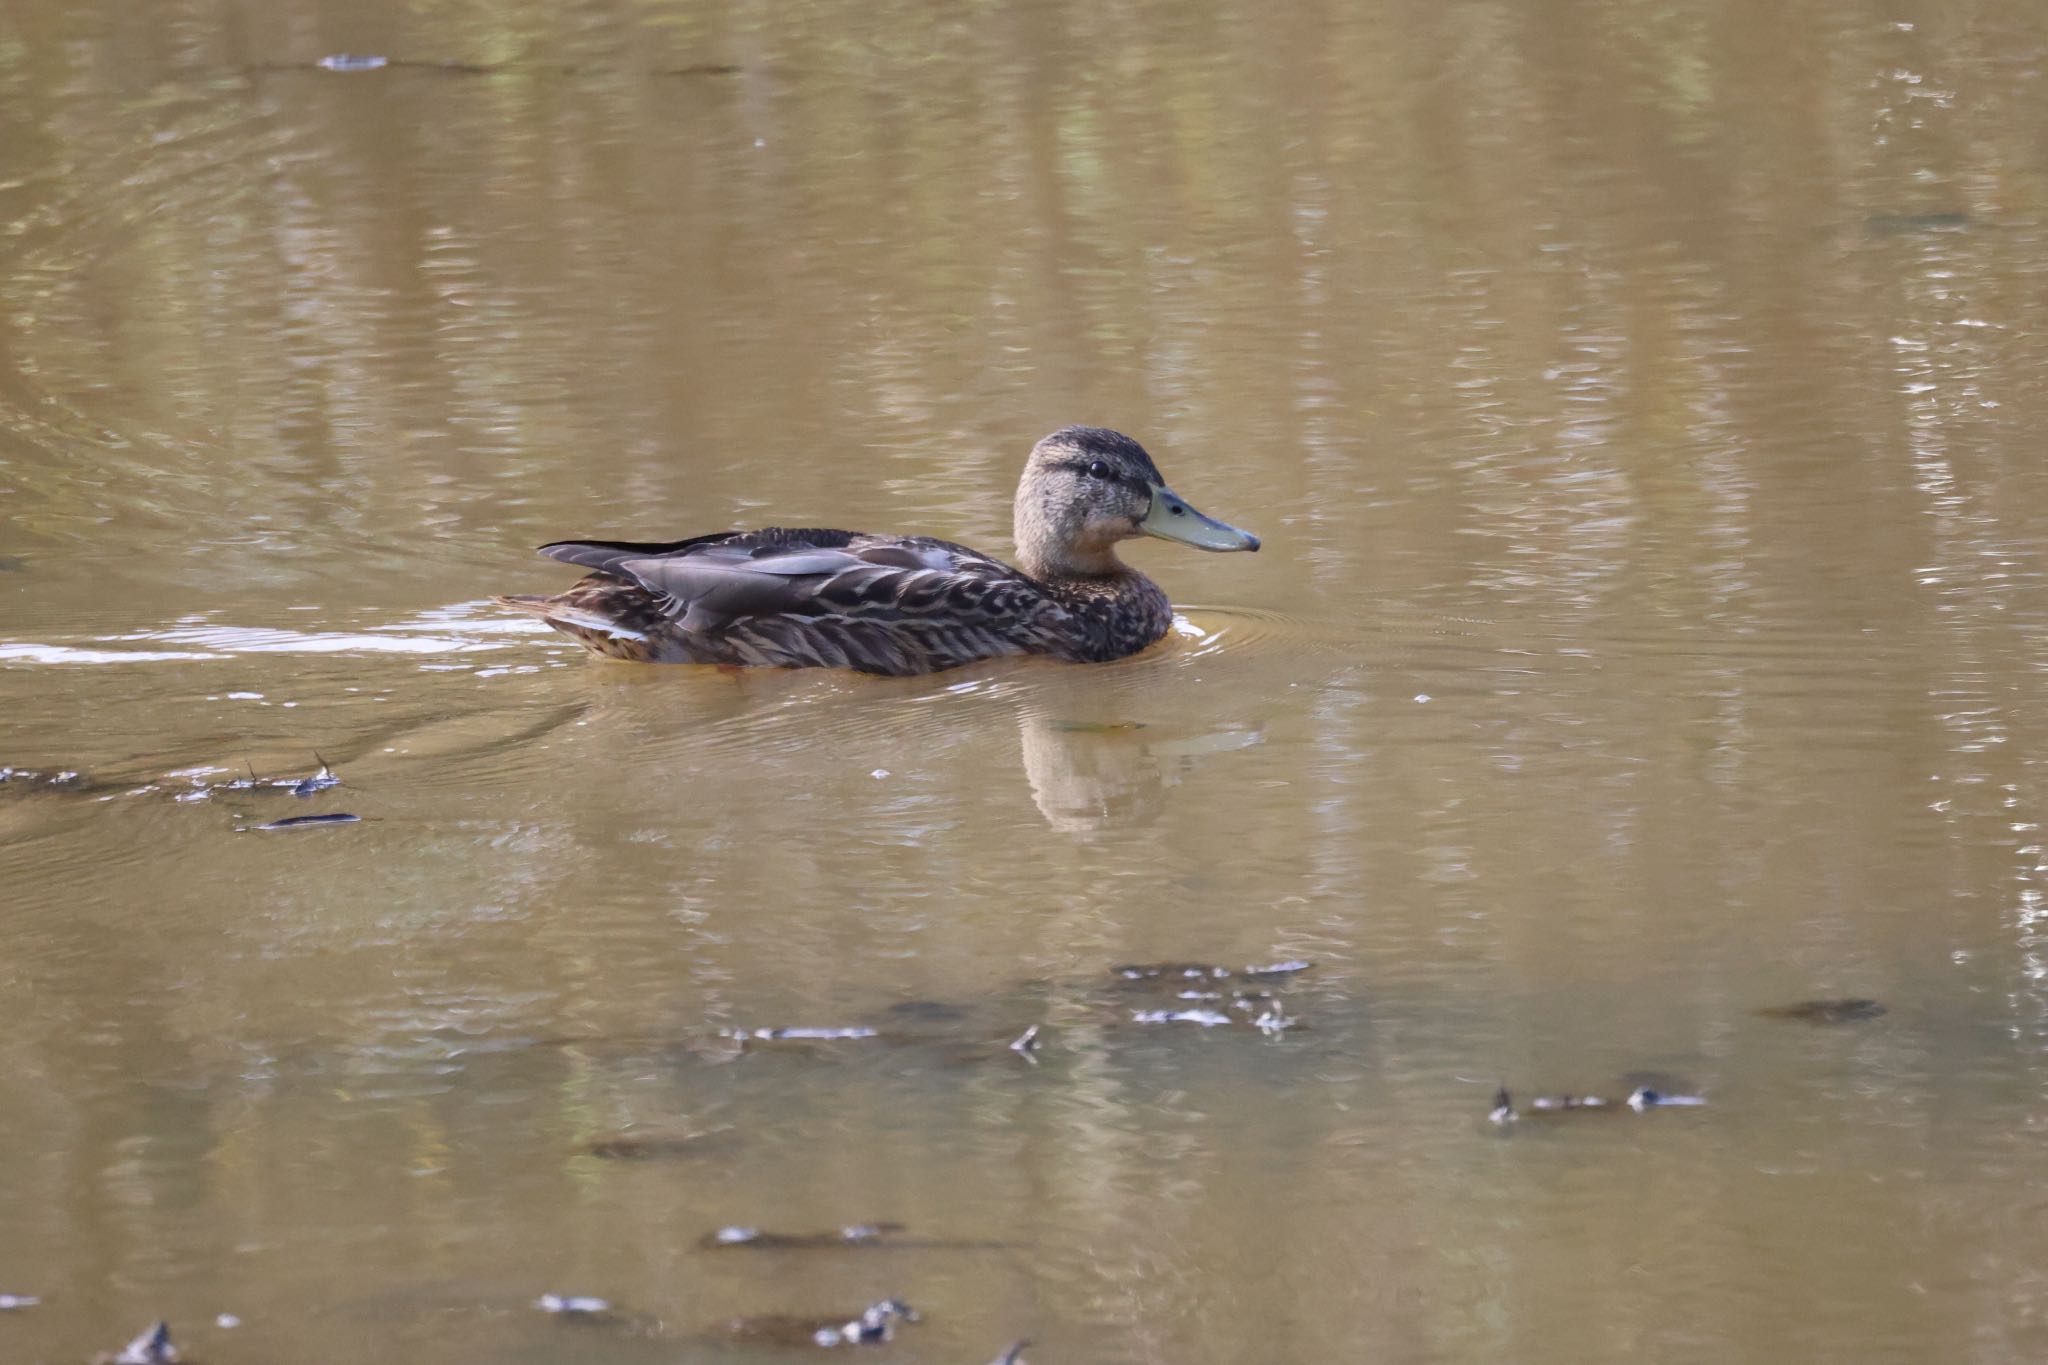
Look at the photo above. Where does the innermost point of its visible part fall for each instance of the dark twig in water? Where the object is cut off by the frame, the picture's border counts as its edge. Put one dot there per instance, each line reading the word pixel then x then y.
pixel 318 782
pixel 1895 224
pixel 1013 1354
pixel 1853 1010
pixel 1026 1043
pixel 1503 1106
pixel 153 1347
pixel 336 817
pixel 651 1146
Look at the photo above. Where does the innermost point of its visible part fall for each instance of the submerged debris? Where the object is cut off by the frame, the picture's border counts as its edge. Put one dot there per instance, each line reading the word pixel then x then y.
pixel 202 790
pixel 1026 1043
pixel 927 1011
pixel 733 1236
pixel 1202 971
pixel 802 1034
pixel 153 1347
pixel 587 1310
pixel 1853 1010
pixel 1261 1009
pixel 1549 1106
pixel 1642 1097
pixel 336 817
pixel 1013 1354
pixel 351 61
pixel 852 1235
pixel 66 779
pixel 14 1303
pixel 1152 971
pixel 1895 224
pixel 1214 993
pixel 186 786
pixel 318 782
pixel 1274 1020
pixel 1206 1018
pixel 874 1236
pixel 876 1323
pixel 633 1147
pixel 1160 971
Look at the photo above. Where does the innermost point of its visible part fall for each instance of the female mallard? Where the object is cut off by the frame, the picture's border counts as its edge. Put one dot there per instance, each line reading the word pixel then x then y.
pixel 899 604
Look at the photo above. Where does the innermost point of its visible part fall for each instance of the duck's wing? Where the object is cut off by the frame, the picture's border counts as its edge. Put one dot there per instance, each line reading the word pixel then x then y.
pixel 712 582
pixel 602 555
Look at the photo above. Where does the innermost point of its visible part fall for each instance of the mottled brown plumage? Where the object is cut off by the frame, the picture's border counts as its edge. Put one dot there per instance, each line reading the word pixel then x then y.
pixel 899 604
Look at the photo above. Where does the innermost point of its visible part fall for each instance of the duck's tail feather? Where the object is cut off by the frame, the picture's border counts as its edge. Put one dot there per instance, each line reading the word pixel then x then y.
pixel 561 612
pixel 604 555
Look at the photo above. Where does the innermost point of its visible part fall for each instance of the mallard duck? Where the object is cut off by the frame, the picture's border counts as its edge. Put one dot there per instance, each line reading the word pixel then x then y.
pixel 899 605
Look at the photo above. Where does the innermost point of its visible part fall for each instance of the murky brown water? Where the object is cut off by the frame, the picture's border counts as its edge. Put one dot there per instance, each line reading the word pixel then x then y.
pixel 1643 408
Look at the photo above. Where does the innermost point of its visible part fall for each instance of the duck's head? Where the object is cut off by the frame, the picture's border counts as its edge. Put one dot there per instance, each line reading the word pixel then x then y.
pixel 1084 489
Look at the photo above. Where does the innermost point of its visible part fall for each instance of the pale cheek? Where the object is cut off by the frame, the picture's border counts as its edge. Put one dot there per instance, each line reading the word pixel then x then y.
pixel 1102 529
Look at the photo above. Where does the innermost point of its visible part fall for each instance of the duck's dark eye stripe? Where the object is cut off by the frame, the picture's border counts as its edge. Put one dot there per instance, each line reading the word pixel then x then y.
pixel 1086 468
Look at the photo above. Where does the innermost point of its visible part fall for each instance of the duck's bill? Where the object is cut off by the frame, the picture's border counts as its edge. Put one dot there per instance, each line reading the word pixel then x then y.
pixel 1172 519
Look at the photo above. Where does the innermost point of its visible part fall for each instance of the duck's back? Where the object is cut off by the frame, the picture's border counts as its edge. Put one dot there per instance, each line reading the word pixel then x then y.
pixel 784 597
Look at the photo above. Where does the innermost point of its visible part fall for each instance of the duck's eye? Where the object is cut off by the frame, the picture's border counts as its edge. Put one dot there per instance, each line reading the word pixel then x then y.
pixel 1098 470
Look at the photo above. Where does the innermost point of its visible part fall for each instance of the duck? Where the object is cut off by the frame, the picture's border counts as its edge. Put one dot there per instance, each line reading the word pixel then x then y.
pixel 899 605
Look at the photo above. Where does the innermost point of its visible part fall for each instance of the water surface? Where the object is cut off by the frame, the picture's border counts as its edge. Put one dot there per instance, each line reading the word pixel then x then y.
pixel 1640 405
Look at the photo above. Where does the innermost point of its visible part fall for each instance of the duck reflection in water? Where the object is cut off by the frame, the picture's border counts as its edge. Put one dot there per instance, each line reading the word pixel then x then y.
pixel 1088 774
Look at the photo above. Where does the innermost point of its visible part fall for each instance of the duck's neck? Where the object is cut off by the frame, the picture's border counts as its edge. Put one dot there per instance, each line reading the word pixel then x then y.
pixel 1049 564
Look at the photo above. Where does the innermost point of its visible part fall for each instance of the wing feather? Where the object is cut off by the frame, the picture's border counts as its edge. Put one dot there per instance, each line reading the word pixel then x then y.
pixel 850 595
pixel 881 604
